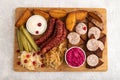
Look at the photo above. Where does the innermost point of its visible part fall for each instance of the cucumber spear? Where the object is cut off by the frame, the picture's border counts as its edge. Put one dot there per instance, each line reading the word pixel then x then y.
pixel 19 40
pixel 29 37
pixel 24 41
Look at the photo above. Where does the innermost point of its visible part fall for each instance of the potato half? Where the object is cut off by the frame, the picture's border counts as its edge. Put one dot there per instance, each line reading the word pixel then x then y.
pixel 71 21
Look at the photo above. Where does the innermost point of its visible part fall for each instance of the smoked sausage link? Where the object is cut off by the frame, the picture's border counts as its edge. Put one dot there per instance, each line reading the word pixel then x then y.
pixel 59 29
pixel 48 32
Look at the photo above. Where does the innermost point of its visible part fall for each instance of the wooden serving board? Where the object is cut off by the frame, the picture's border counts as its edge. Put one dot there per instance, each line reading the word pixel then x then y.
pixel 64 66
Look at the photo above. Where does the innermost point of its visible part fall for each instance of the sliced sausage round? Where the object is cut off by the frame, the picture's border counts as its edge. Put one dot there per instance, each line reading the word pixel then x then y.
pixel 73 38
pixel 81 28
pixel 100 45
pixel 92 44
pixel 55 40
pixel 94 31
pixel 92 60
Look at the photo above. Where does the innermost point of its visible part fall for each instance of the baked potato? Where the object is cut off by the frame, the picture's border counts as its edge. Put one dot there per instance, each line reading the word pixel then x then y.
pixel 42 13
pixel 71 21
pixel 81 15
pixel 57 13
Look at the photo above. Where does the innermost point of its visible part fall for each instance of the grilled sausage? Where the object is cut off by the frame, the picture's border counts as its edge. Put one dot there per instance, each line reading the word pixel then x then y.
pixel 48 32
pixel 64 35
pixel 59 28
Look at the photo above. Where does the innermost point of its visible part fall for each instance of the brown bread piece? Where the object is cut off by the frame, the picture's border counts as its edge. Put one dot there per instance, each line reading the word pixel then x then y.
pixel 96 23
pixel 92 36
pixel 95 15
pixel 102 38
pixel 84 37
pixel 90 24
pixel 98 53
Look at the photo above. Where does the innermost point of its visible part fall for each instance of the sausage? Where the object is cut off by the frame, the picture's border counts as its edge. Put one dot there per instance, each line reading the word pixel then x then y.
pixel 81 28
pixel 64 35
pixel 47 41
pixel 56 39
pixel 59 29
pixel 95 31
pixel 48 32
pixel 101 45
pixel 73 38
pixel 92 44
pixel 92 60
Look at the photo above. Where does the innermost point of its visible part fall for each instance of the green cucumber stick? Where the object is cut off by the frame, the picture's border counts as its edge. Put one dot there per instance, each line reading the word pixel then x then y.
pixel 29 37
pixel 29 46
pixel 24 41
pixel 19 40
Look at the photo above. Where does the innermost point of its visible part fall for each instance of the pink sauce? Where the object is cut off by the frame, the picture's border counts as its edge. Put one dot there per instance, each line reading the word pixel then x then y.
pixel 75 57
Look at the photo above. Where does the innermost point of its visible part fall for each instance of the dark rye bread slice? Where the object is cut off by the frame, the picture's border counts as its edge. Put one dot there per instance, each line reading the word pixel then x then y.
pixel 102 38
pixel 98 52
pixel 96 15
pixel 90 24
pixel 95 22
pixel 92 36
pixel 84 37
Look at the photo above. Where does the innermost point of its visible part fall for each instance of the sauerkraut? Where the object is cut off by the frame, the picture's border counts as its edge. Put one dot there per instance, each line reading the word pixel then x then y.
pixel 30 60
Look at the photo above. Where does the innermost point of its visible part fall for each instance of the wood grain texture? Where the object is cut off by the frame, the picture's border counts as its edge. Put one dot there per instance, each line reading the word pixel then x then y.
pixel 64 66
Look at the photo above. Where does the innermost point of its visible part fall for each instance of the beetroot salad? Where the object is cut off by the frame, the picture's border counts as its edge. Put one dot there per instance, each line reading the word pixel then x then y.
pixel 75 57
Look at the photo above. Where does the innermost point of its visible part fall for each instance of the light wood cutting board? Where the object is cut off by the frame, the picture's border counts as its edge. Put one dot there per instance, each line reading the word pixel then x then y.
pixel 64 67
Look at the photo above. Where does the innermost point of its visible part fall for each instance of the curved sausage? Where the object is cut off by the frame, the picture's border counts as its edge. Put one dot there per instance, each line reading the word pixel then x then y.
pixel 47 41
pixel 64 35
pixel 56 39
pixel 48 32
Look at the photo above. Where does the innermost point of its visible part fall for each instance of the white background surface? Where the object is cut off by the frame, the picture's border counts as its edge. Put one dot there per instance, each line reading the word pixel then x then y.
pixel 7 8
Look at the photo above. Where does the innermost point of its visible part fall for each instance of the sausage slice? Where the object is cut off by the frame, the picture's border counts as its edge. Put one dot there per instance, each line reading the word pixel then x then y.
pixel 92 60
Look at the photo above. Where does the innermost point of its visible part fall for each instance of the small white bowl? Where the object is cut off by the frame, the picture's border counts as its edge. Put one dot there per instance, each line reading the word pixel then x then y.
pixel 66 55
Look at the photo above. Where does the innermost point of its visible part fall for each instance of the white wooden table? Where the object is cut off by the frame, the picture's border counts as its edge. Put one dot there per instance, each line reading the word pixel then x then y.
pixel 7 8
